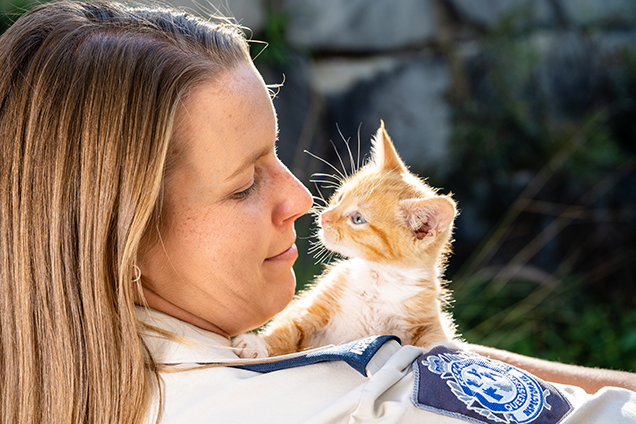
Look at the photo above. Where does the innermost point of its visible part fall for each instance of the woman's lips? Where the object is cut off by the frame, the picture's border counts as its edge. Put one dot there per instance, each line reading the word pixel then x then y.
pixel 290 254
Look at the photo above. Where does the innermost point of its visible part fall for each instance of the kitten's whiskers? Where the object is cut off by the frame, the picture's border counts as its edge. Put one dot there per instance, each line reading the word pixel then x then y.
pixel 344 169
pixel 324 182
pixel 346 142
pixel 321 254
pixel 335 177
pixel 320 193
pixel 318 199
pixel 327 163
pixel 358 161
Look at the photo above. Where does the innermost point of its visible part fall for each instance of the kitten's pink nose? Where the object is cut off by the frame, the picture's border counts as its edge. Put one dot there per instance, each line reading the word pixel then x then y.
pixel 324 219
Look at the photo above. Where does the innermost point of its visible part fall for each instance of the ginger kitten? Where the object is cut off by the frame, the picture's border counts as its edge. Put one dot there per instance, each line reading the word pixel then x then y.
pixel 395 231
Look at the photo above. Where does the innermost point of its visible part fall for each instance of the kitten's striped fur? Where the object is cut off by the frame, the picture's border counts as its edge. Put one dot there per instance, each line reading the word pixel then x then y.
pixel 396 232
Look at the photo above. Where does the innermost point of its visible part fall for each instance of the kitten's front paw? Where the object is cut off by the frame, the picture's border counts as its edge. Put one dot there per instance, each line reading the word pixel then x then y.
pixel 250 346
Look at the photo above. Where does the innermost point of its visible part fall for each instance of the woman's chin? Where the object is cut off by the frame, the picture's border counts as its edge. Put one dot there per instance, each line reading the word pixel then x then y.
pixel 286 291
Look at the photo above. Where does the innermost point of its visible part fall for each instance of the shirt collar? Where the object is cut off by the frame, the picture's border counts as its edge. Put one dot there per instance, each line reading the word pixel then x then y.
pixel 190 344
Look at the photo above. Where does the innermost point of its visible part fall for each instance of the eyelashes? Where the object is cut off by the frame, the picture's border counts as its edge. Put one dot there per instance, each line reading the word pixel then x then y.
pixel 256 183
pixel 242 195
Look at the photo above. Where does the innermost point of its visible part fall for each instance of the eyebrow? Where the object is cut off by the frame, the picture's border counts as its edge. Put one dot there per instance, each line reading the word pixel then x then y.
pixel 252 159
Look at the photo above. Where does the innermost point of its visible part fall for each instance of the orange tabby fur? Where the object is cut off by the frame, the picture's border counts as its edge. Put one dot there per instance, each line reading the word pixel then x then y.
pixel 396 231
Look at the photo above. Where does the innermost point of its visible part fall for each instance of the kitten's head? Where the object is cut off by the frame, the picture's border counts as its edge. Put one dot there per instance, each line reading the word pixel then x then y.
pixel 384 213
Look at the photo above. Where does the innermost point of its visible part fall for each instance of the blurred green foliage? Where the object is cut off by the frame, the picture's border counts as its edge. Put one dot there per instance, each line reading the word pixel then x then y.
pixel 560 323
pixel 552 171
pixel 10 10
pixel 272 49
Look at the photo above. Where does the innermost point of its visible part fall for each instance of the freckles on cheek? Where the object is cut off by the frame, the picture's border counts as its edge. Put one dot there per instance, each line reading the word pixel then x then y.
pixel 218 235
pixel 199 232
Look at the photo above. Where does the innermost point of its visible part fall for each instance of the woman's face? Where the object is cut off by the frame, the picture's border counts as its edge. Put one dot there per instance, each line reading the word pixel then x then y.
pixel 224 258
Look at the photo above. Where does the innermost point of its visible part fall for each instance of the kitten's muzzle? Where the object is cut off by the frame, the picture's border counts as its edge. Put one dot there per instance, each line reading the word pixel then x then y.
pixel 325 219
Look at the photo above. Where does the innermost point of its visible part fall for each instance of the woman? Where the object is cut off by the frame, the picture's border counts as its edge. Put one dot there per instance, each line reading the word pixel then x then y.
pixel 89 95
pixel 139 167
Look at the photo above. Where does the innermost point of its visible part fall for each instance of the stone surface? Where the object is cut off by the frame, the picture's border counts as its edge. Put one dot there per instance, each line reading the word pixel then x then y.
pixel 490 12
pixel 300 110
pixel 596 12
pixel 612 42
pixel 410 98
pixel 333 76
pixel 359 25
pixel 569 74
pixel 293 106
pixel 249 13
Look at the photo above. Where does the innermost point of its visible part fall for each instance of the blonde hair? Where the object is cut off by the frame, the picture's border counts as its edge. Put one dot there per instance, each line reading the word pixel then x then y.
pixel 88 96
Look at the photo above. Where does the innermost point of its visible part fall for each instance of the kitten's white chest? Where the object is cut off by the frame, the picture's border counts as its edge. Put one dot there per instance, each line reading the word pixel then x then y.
pixel 371 303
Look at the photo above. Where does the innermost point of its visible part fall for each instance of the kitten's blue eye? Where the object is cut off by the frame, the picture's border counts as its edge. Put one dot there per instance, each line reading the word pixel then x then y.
pixel 357 219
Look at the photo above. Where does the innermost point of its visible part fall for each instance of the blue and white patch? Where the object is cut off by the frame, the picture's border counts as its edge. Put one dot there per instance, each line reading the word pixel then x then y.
pixel 480 390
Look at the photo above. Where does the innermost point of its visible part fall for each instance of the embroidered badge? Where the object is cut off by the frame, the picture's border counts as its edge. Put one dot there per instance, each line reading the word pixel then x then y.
pixel 480 390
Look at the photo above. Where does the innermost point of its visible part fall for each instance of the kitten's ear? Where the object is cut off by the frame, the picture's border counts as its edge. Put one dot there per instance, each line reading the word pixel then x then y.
pixel 383 152
pixel 428 217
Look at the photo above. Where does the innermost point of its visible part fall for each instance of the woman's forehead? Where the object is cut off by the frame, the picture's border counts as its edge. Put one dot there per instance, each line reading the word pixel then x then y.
pixel 226 125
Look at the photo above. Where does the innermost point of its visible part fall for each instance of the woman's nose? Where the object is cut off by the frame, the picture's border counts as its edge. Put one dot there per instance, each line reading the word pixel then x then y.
pixel 295 197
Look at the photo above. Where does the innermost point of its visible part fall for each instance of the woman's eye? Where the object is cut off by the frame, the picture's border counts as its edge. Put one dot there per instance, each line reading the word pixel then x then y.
pixel 241 195
pixel 357 219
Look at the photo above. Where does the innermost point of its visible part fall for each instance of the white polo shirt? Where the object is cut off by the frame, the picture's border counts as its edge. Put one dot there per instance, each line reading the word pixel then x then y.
pixel 372 380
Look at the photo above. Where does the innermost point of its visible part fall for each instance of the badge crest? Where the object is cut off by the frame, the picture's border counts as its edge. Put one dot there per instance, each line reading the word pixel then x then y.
pixel 490 390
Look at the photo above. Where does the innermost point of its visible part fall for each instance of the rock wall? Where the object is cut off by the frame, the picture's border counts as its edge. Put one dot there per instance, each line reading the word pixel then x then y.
pixel 349 63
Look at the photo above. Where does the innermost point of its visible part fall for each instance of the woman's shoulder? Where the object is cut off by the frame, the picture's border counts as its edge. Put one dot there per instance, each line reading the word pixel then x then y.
pixel 370 379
